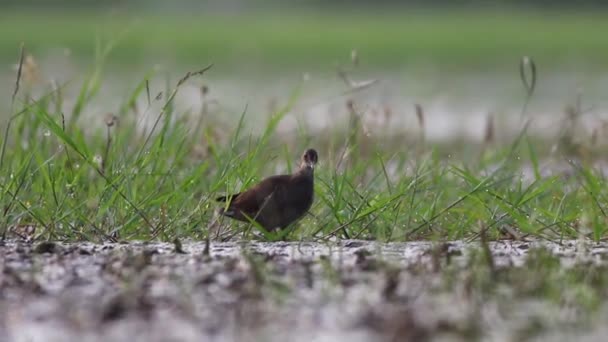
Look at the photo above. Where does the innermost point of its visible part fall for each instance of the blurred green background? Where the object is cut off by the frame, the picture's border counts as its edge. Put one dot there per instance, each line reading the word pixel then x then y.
pixel 248 35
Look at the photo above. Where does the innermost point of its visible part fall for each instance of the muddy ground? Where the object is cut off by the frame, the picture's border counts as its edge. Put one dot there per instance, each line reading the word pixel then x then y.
pixel 347 290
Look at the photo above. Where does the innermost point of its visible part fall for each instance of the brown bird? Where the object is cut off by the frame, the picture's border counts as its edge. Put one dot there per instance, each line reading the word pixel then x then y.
pixel 276 201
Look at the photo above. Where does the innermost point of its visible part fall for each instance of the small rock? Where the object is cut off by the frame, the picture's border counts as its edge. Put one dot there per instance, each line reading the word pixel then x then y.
pixel 47 247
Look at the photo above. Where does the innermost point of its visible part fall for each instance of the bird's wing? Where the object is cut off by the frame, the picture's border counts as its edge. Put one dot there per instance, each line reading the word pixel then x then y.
pixel 252 200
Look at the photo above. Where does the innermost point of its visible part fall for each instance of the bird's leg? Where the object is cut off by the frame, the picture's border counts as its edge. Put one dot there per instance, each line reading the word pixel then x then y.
pixel 257 214
pixel 215 227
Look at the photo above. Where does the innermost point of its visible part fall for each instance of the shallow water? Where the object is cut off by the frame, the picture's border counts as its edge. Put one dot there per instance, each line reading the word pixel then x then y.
pixel 456 104
pixel 355 290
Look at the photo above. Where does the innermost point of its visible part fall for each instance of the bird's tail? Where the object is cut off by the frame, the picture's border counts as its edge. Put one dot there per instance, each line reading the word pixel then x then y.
pixel 226 212
pixel 225 198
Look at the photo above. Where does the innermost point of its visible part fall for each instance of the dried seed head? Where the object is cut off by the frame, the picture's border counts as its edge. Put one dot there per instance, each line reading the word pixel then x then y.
pixel 350 105
pixel 594 135
pixel 420 115
pixel 571 111
pixel 354 57
pixel 489 134
pixel 110 119
pixel 31 72
pixel 388 113
pixel 527 73
pixel 98 160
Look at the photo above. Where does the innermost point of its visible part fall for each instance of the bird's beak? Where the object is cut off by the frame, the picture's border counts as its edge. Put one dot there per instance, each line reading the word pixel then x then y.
pixel 311 165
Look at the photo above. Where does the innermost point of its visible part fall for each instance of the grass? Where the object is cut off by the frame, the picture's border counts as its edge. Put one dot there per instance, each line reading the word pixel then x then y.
pixel 469 40
pixel 65 175
pixel 119 182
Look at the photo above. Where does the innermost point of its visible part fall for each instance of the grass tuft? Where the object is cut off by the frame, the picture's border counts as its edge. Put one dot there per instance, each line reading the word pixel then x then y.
pixel 114 179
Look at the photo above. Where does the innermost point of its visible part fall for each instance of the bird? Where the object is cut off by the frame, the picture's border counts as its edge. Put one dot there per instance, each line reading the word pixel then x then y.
pixel 276 201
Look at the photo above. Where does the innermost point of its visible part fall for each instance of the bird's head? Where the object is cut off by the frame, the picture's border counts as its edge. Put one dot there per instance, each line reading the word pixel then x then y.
pixel 309 159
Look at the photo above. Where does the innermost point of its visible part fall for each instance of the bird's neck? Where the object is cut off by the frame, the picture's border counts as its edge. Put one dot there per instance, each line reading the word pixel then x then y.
pixel 305 171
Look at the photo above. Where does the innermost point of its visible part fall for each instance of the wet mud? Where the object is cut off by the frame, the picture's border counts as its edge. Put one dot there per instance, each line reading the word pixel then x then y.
pixel 346 290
